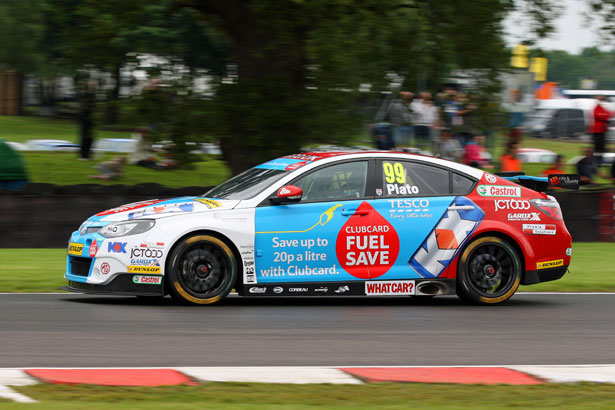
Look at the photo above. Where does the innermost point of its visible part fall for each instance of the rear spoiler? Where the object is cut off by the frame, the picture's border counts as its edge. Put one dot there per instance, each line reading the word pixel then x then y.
pixel 540 184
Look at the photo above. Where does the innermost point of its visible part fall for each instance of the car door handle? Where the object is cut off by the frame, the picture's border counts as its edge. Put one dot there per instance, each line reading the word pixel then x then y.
pixel 461 208
pixel 351 212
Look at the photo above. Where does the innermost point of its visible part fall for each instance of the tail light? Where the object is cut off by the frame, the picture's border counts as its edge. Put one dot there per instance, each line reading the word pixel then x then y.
pixel 548 206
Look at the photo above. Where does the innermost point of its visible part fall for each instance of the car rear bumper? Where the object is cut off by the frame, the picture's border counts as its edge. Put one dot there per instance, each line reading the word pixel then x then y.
pixel 543 275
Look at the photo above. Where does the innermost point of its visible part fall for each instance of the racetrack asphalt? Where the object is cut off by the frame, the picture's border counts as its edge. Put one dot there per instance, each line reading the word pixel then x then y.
pixel 71 330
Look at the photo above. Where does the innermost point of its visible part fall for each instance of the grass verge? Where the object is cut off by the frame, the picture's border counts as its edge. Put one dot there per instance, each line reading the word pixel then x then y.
pixel 41 270
pixel 62 168
pixel 239 396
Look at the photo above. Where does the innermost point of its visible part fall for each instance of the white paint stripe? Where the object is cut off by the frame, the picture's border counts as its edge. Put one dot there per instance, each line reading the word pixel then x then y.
pixel 8 393
pixel 281 374
pixel 16 377
pixel 571 374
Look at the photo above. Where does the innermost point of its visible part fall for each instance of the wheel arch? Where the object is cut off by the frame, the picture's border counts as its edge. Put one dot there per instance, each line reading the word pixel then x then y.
pixel 222 237
pixel 503 236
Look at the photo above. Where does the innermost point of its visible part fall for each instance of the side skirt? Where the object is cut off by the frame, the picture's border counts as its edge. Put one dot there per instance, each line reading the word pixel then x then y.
pixel 411 287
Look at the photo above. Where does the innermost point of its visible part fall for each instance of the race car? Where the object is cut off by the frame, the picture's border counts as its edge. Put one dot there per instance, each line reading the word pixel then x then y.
pixel 332 224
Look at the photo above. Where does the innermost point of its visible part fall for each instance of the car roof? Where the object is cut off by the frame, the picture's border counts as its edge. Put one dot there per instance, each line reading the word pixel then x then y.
pixel 317 156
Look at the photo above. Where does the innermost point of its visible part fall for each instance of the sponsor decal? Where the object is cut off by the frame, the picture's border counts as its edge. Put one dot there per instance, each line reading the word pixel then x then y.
pixel 145 262
pixel 116 247
pixel 162 209
pixel 144 269
pixel 514 204
pixel 409 208
pixel 93 249
pixel 568 251
pixel 390 288
pixel 492 179
pixel 278 289
pixel 297 290
pixel 367 248
pixel 569 181
pixel 342 289
pixel 145 253
pixel 322 289
pixel 209 202
pixel 157 245
pixel 447 237
pixel 129 207
pixel 251 279
pixel 147 280
pixel 396 189
pixel 285 191
pixel 75 248
pixel 379 191
pixel 105 268
pixel 524 216
pixel 296 165
pixel 255 289
pixel 498 190
pixel 550 264
pixel 539 229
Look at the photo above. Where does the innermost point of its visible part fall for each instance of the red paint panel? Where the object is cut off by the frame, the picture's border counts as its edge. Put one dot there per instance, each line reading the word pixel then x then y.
pixel 111 377
pixel 461 375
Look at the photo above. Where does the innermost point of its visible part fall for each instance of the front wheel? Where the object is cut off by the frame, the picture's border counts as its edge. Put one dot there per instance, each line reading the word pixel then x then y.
pixel 489 271
pixel 202 270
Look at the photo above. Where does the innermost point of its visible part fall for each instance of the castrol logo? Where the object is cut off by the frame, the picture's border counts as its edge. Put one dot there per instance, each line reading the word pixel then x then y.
pixel 517 204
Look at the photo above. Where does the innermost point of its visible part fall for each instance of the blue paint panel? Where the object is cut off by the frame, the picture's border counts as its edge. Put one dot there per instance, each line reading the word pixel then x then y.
pixel 296 243
pixel 280 163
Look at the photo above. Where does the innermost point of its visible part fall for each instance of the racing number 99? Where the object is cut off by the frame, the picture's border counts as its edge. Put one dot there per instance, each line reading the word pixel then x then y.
pixel 394 173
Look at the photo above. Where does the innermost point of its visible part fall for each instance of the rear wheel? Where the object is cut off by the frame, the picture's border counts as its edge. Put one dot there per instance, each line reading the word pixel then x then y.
pixel 202 270
pixel 489 271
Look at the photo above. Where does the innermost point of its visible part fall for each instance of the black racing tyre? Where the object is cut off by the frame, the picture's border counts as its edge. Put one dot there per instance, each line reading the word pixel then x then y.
pixel 488 272
pixel 201 270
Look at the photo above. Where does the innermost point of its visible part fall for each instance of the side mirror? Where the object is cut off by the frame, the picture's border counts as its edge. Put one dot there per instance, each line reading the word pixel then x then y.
pixel 287 194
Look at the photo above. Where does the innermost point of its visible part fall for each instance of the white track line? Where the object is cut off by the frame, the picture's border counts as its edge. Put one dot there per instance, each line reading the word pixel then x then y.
pixel 8 393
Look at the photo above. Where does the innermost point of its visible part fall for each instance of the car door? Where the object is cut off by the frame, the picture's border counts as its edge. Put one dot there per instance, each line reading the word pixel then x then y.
pixel 306 241
pixel 425 206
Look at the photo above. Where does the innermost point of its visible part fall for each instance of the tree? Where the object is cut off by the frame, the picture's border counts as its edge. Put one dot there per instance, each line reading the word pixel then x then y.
pixel 299 63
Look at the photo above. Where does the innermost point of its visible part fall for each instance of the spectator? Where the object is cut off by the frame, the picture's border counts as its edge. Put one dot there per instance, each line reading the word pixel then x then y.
pixel 448 147
pixel 111 169
pixel 400 119
pixel 509 161
pixel 600 127
pixel 555 168
pixel 516 110
pixel 475 153
pixel 12 170
pixel 587 167
pixel 425 118
pixel 463 121
pixel 87 104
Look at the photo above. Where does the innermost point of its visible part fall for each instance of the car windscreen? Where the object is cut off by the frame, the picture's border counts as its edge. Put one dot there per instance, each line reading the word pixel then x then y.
pixel 246 185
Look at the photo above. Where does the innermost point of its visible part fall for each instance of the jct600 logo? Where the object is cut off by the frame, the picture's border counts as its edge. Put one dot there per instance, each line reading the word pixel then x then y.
pixel 145 253
pixel 511 204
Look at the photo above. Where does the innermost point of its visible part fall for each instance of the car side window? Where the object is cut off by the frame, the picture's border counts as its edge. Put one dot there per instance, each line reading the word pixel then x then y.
pixel 404 178
pixel 337 182
pixel 461 185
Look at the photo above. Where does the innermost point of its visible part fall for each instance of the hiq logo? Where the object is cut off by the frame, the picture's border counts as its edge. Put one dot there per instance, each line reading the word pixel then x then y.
pixel 116 247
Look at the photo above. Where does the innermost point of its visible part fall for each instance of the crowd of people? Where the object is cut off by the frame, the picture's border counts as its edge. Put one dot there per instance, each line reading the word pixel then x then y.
pixel 447 127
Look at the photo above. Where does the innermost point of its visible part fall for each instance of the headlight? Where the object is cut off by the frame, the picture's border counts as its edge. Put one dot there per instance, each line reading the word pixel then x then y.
pixel 127 228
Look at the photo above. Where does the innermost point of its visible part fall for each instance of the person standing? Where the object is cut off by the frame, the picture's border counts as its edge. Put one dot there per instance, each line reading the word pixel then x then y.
pixel 509 161
pixel 425 119
pixel 600 127
pixel 399 117
pixel 87 104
